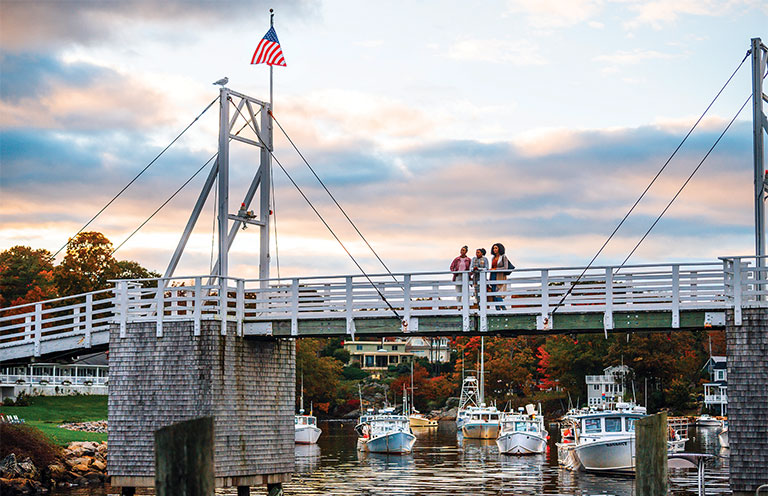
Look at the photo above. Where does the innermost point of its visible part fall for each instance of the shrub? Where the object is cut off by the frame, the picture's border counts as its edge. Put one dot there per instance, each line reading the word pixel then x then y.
pixel 27 441
pixel 354 373
pixel 8 401
pixel 22 399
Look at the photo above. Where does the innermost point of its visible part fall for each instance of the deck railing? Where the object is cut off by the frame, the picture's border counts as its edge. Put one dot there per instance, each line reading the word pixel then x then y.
pixel 735 283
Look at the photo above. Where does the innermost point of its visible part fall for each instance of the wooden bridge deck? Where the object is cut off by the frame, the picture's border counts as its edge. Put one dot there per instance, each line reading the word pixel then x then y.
pixel 649 297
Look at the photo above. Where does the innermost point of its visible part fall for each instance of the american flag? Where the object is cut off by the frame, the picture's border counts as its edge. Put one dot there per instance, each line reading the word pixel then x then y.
pixel 269 51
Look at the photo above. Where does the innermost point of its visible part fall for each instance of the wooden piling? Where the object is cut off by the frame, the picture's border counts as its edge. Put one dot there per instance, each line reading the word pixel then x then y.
pixel 184 459
pixel 651 455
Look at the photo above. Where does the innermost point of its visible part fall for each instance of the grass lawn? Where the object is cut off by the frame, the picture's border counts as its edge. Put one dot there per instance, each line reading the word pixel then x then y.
pixel 47 412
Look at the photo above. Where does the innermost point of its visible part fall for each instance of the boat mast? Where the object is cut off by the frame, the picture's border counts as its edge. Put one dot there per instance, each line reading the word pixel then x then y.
pixel 413 396
pixel 301 407
pixel 482 369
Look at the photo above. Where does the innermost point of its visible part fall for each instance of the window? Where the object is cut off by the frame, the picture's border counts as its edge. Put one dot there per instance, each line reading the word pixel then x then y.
pixel 395 347
pixel 631 424
pixel 596 387
pixel 369 362
pixel 719 375
pixel 592 425
pixel 359 347
pixel 613 424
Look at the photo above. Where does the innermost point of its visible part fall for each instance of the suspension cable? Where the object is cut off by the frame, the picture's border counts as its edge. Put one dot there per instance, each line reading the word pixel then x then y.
pixel 138 175
pixel 174 194
pixel 322 219
pixel 685 183
pixel 647 188
pixel 332 197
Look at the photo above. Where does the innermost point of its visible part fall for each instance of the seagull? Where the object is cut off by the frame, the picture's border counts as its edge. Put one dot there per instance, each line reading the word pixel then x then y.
pixel 222 81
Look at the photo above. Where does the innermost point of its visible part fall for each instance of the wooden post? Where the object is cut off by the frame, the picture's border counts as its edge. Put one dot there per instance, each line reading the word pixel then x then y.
pixel 651 455
pixel 184 459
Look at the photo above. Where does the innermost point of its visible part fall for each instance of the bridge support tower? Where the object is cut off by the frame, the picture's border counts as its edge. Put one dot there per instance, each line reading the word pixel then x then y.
pixel 247 385
pixel 747 350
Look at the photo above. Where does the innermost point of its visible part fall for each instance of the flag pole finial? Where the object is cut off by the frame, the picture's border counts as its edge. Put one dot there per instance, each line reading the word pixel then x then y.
pixel 271 17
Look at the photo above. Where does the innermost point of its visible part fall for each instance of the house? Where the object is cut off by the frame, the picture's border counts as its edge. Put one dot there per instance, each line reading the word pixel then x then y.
pixel 608 387
pixel 435 350
pixel 715 391
pixel 378 355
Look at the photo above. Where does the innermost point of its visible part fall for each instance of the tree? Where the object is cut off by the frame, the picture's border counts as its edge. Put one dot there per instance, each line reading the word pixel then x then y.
pixel 26 275
pixel 87 266
pixel 128 269
pixel 321 373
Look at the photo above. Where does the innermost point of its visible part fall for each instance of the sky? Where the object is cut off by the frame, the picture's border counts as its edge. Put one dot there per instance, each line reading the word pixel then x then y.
pixel 533 123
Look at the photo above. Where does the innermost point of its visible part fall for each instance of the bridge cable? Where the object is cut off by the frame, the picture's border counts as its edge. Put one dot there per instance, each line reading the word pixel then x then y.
pixel 685 183
pixel 138 175
pixel 322 219
pixel 647 188
pixel 332 197
pixel 173 195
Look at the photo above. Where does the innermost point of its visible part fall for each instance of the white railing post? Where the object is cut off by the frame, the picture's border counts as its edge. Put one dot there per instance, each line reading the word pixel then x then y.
pixel 28 328
pixel 465 301
pixel 675 296
pixel 694 284
pixel 482 305
pixel 223 304
pixel 349 308
pixel 240 305
pixel 88 319
pixel 294 307
pixel 38 327
pixel 160 307
pixel 737 291
pixel 406 302
pixel 544 321
pixel 198 304
pixel 436 297
pixel 608 316
pixel 629 291
pixel 76 319
pixel 122 306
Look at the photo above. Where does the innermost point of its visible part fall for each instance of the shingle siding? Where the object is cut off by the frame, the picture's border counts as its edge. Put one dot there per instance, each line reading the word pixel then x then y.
pixel 747 351
pixel 247 385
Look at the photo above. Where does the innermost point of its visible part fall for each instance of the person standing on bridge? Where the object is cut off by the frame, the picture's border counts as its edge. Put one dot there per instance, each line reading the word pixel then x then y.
pixel 500 265
pixel 460 264
pixel 479 262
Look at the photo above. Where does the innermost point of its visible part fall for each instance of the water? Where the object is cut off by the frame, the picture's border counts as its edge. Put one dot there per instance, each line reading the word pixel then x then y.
pixel 440 464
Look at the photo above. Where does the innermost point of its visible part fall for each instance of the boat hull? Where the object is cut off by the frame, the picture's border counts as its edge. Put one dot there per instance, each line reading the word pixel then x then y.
pixel 521 443
pixel 566 456
pixel 708 422
pixel 608 455
pixel 399 443
pixel 422 422
pixel 307 434
pixel 480 430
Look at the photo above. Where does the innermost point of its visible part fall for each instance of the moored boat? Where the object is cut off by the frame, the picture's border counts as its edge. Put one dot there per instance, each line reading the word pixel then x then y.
pixel 522 433
pixel 416 419
pixel 481 422
pixel 385 432
pixel 307 431
pixel 708 421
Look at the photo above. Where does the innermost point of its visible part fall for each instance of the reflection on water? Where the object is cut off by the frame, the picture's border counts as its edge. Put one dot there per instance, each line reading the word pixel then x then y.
pixel 443 463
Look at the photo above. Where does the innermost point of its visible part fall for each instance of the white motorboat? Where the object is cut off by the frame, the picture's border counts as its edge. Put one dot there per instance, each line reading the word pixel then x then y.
pixel 605 441
pixel 723 436
pixel 522 433
pixel 385 432
pixel 469 399
pixel 481 422
pixel 306 427
pixel 708 421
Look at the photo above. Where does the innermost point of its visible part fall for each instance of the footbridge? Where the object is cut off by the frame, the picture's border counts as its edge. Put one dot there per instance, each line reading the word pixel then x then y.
pixel 649 297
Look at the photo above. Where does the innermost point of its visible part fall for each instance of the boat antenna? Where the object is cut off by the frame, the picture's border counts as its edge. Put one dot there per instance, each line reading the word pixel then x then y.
pixel 634 399
pixel 413 395
pixel 360 395
pixel 482 369
pixel 301 407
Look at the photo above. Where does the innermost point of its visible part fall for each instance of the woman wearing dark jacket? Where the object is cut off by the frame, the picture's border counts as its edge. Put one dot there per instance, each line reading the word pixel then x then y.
pixel 500 265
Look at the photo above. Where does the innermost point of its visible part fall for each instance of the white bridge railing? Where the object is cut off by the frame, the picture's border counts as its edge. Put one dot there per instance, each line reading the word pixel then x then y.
pixel 735 283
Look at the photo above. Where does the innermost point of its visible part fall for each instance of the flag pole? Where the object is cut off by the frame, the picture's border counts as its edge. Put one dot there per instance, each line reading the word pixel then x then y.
pixel 271 25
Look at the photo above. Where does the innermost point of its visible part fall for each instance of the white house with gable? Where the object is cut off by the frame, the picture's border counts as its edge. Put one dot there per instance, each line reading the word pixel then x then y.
pixel 607 387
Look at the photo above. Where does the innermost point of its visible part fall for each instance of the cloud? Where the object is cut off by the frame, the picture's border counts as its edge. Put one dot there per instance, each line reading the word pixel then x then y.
pixel 36 26
pixel 548 14
pixel 658 13
pixel 628 57
pixel 43 92
pixel 516 52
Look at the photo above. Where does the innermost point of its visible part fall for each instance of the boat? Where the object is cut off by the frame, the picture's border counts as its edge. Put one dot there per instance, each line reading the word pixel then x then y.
pixel 481 422
pixel 385 432
pixel 723 435
pixel 708 421
pixel 677 428
pixel 469 399
pixel 417 419
pixel 522 433
pixel 306 429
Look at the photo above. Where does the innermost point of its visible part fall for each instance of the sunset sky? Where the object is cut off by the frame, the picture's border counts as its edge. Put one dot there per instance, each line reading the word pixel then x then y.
pixel 535 123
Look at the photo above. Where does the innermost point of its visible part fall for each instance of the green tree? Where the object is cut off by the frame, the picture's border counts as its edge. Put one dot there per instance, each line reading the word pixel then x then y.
pixel 26 275
pixel 321 373
pixel 128 269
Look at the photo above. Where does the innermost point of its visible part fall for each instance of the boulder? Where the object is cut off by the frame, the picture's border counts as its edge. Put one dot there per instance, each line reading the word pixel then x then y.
pixel 80 468
pixel 57 471
pixel 9 467
pixel 100 466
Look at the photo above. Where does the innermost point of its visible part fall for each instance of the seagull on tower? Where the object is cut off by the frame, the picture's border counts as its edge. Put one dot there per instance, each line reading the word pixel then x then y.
pixel 222 81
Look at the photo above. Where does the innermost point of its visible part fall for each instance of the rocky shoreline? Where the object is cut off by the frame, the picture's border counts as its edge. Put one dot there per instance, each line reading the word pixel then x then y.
pixel 79 464
pixel 95 426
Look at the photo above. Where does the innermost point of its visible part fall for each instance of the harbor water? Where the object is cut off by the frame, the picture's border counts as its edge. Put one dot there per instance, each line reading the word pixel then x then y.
pixel 441 464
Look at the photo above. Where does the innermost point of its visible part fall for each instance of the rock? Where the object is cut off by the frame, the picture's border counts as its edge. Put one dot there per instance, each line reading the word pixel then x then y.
pixel 100 466
pixel 451 402
pixel 57 470
pixel 8 467
pixel 81 481
pixel 81 468
pixel 28 469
